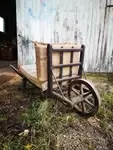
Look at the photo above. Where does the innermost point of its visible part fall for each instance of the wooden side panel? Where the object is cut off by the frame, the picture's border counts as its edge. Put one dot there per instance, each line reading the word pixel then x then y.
pixel 41 61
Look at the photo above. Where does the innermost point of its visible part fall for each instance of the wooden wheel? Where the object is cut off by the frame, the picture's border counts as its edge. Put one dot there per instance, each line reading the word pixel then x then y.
pixel 85 98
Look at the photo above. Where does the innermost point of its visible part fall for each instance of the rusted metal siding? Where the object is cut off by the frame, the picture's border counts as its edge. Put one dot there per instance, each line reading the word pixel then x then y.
pixel 88 22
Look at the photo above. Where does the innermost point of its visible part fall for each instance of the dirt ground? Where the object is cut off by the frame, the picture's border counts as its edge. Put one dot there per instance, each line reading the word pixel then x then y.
pixel 6 74
pixel 80 134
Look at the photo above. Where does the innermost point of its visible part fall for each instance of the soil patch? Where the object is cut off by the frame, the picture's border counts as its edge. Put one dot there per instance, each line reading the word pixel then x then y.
pixel 5 78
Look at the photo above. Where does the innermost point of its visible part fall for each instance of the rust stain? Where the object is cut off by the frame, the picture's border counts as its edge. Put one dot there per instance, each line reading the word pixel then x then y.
pixel 56 36
pixel 75 37
pixel 57 17
pixel 65 24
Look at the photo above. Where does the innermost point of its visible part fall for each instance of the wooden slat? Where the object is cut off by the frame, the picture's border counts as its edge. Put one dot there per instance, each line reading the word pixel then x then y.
pixel 66 65
pixel 66 79
pixel 61 62
pixel 67 50
pixel 71 61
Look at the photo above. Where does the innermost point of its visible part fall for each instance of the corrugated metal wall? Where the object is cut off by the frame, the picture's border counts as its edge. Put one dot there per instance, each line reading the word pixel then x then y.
pixel 88 22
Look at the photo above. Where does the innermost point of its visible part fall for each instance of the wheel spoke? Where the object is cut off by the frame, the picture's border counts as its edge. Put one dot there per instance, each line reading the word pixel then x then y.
pixel 86 89
pixel 75 91
pixel 87 94
pixel 81 89
pixel 83 107
pixel 76 86
pixel 88 102
pixel 77 99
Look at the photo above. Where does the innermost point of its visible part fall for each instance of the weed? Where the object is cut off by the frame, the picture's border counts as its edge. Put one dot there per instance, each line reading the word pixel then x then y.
pixel 3 117
pixel 43 122
pixel 105 113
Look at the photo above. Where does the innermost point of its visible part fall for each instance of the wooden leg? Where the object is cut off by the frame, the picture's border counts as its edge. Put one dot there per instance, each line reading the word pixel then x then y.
pixel 24 83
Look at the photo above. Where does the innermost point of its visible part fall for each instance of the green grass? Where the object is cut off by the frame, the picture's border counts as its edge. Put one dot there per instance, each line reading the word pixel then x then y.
pixel 3 117
pixel 105 113
pixel 106 110
pixel 43 122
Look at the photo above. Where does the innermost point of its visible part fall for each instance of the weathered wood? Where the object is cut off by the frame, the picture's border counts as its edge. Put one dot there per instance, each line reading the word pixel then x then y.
pixel 41 60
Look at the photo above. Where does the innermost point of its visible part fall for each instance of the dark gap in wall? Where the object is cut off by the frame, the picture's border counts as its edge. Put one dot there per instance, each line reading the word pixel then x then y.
pixel 8 46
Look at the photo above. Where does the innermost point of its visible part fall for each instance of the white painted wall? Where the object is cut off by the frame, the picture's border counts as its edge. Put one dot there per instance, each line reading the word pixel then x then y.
pixel 86 22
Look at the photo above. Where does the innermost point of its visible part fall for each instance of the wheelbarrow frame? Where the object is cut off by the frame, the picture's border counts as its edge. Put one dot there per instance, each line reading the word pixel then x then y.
pixel 62 50
pixel 70 79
